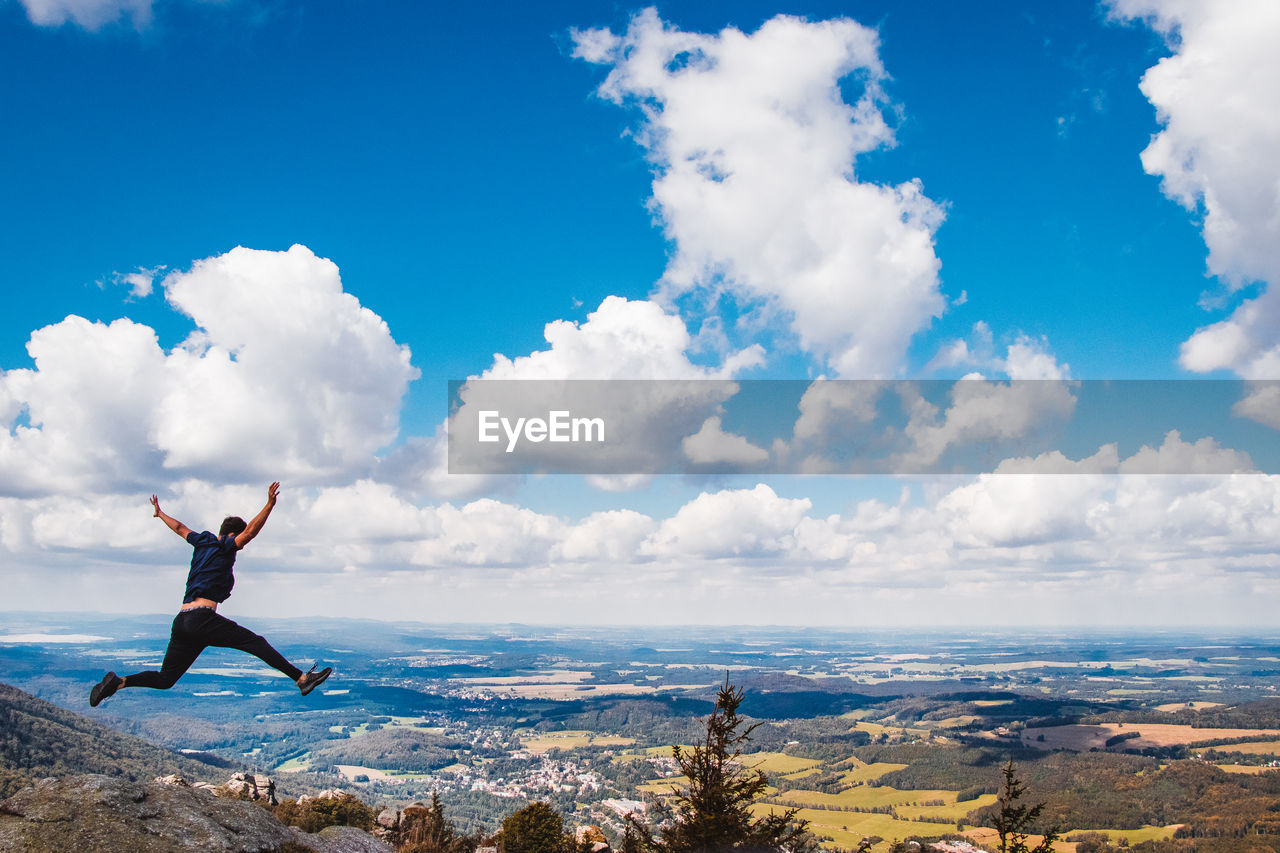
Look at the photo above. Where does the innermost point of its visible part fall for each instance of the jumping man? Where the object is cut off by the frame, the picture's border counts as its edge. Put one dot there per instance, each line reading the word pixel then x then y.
pixel 198 625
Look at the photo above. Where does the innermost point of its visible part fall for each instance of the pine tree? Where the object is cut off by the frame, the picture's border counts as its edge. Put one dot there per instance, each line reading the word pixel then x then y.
pixel 1012 818
pixel 713 810
pixel 427 831
pixel 536 828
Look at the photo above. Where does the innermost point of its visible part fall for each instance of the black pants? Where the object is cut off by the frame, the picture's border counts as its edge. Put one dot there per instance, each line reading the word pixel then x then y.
pixel 198 629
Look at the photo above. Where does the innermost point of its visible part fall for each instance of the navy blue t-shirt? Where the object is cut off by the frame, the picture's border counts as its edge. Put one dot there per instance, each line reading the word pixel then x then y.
pixel 211 563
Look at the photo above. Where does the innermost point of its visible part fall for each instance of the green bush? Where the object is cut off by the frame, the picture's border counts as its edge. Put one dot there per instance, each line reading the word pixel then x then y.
pixel 315 814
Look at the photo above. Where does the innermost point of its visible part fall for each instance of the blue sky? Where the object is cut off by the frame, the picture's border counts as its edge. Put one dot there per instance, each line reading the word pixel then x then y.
pixel 961 190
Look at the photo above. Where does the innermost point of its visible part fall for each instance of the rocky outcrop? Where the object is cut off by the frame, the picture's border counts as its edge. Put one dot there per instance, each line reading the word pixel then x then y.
pixel 100 813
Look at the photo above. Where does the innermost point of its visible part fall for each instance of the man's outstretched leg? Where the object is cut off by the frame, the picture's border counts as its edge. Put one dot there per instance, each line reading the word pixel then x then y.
pixel 194 631
pixel 221 632
pixel 184 648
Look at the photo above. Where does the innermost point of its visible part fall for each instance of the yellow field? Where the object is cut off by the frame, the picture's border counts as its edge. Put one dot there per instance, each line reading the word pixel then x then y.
pixel 952 811
pixel 868 772
pixel 663 786
pixel 778 762
pixel 1266 747
pixel 866 796
pixel 877 729
pixel 1187 706
pixel 1135 836
pixel 547 741
pixel 952 722
pixel 859 714
pixel 1081 738
pixel 1248 769
pixel 849 828
pixel 986 837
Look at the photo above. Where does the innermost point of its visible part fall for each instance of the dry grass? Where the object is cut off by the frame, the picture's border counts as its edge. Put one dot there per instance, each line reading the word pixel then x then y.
pixel 1187 706
pixel 1082 738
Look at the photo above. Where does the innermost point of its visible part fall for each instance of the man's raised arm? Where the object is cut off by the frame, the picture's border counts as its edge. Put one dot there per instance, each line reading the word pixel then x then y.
pixel 260 519
pixel 176 526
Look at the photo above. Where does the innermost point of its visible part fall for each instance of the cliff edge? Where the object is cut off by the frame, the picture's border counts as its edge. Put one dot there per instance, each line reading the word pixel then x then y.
pixel 102 813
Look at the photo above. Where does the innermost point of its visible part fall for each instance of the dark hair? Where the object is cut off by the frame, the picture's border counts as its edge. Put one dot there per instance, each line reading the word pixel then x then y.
pixel 232 525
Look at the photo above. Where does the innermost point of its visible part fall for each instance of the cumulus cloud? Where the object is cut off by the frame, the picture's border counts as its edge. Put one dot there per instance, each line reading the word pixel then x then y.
pixel 901 426
pixel 286 377
pixel 1216 101
pixel 983 544
pixel 982 411
pixel 1260 403
pixel 754 149
pixel 645 421
pixel 1203 456
pixel 621 339
pixel 737 523
pixel 1025 357
pixel 712 446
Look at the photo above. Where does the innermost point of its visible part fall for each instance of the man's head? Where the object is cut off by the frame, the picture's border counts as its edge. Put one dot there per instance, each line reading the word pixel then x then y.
pixel 232 525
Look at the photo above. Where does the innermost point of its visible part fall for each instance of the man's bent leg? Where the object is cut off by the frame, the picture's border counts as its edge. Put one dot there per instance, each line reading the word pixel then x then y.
pixel 184 648
pixel 224 633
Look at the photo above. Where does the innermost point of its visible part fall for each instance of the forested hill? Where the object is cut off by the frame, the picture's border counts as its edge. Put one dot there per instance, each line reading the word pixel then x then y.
pixel 39 739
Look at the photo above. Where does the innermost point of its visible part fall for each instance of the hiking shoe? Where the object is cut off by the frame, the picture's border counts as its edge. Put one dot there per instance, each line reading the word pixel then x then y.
pixel 312 679
pixel 109 684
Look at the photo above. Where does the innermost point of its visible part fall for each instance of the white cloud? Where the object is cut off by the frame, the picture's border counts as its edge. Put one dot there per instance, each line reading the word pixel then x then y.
pixel 741 523
pixel 1203 456
pixel 491 534
pixel 612 537
pixel 982 411
pixel 711 445
pixel 994 545
pixel 419 467
pixel 90 403
pixel 622 339
pixel 1028 358
pixel 1025 357
pixel 830 408
pixel 286 377
pixel 141 282
pixel 755 151
pixel 1217 102
pixel 90 14
pixel 1261 403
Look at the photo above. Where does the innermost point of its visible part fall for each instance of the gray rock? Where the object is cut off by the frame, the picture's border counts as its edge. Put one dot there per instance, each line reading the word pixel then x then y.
pixel 101 813
pixel 348 839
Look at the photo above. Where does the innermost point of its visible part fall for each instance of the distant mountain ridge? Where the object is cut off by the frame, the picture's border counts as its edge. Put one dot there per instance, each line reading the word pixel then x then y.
pixel 38 739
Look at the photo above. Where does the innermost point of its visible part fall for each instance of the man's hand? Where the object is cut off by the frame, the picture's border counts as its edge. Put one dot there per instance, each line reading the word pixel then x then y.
pixel 172 523
pixel 255 524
